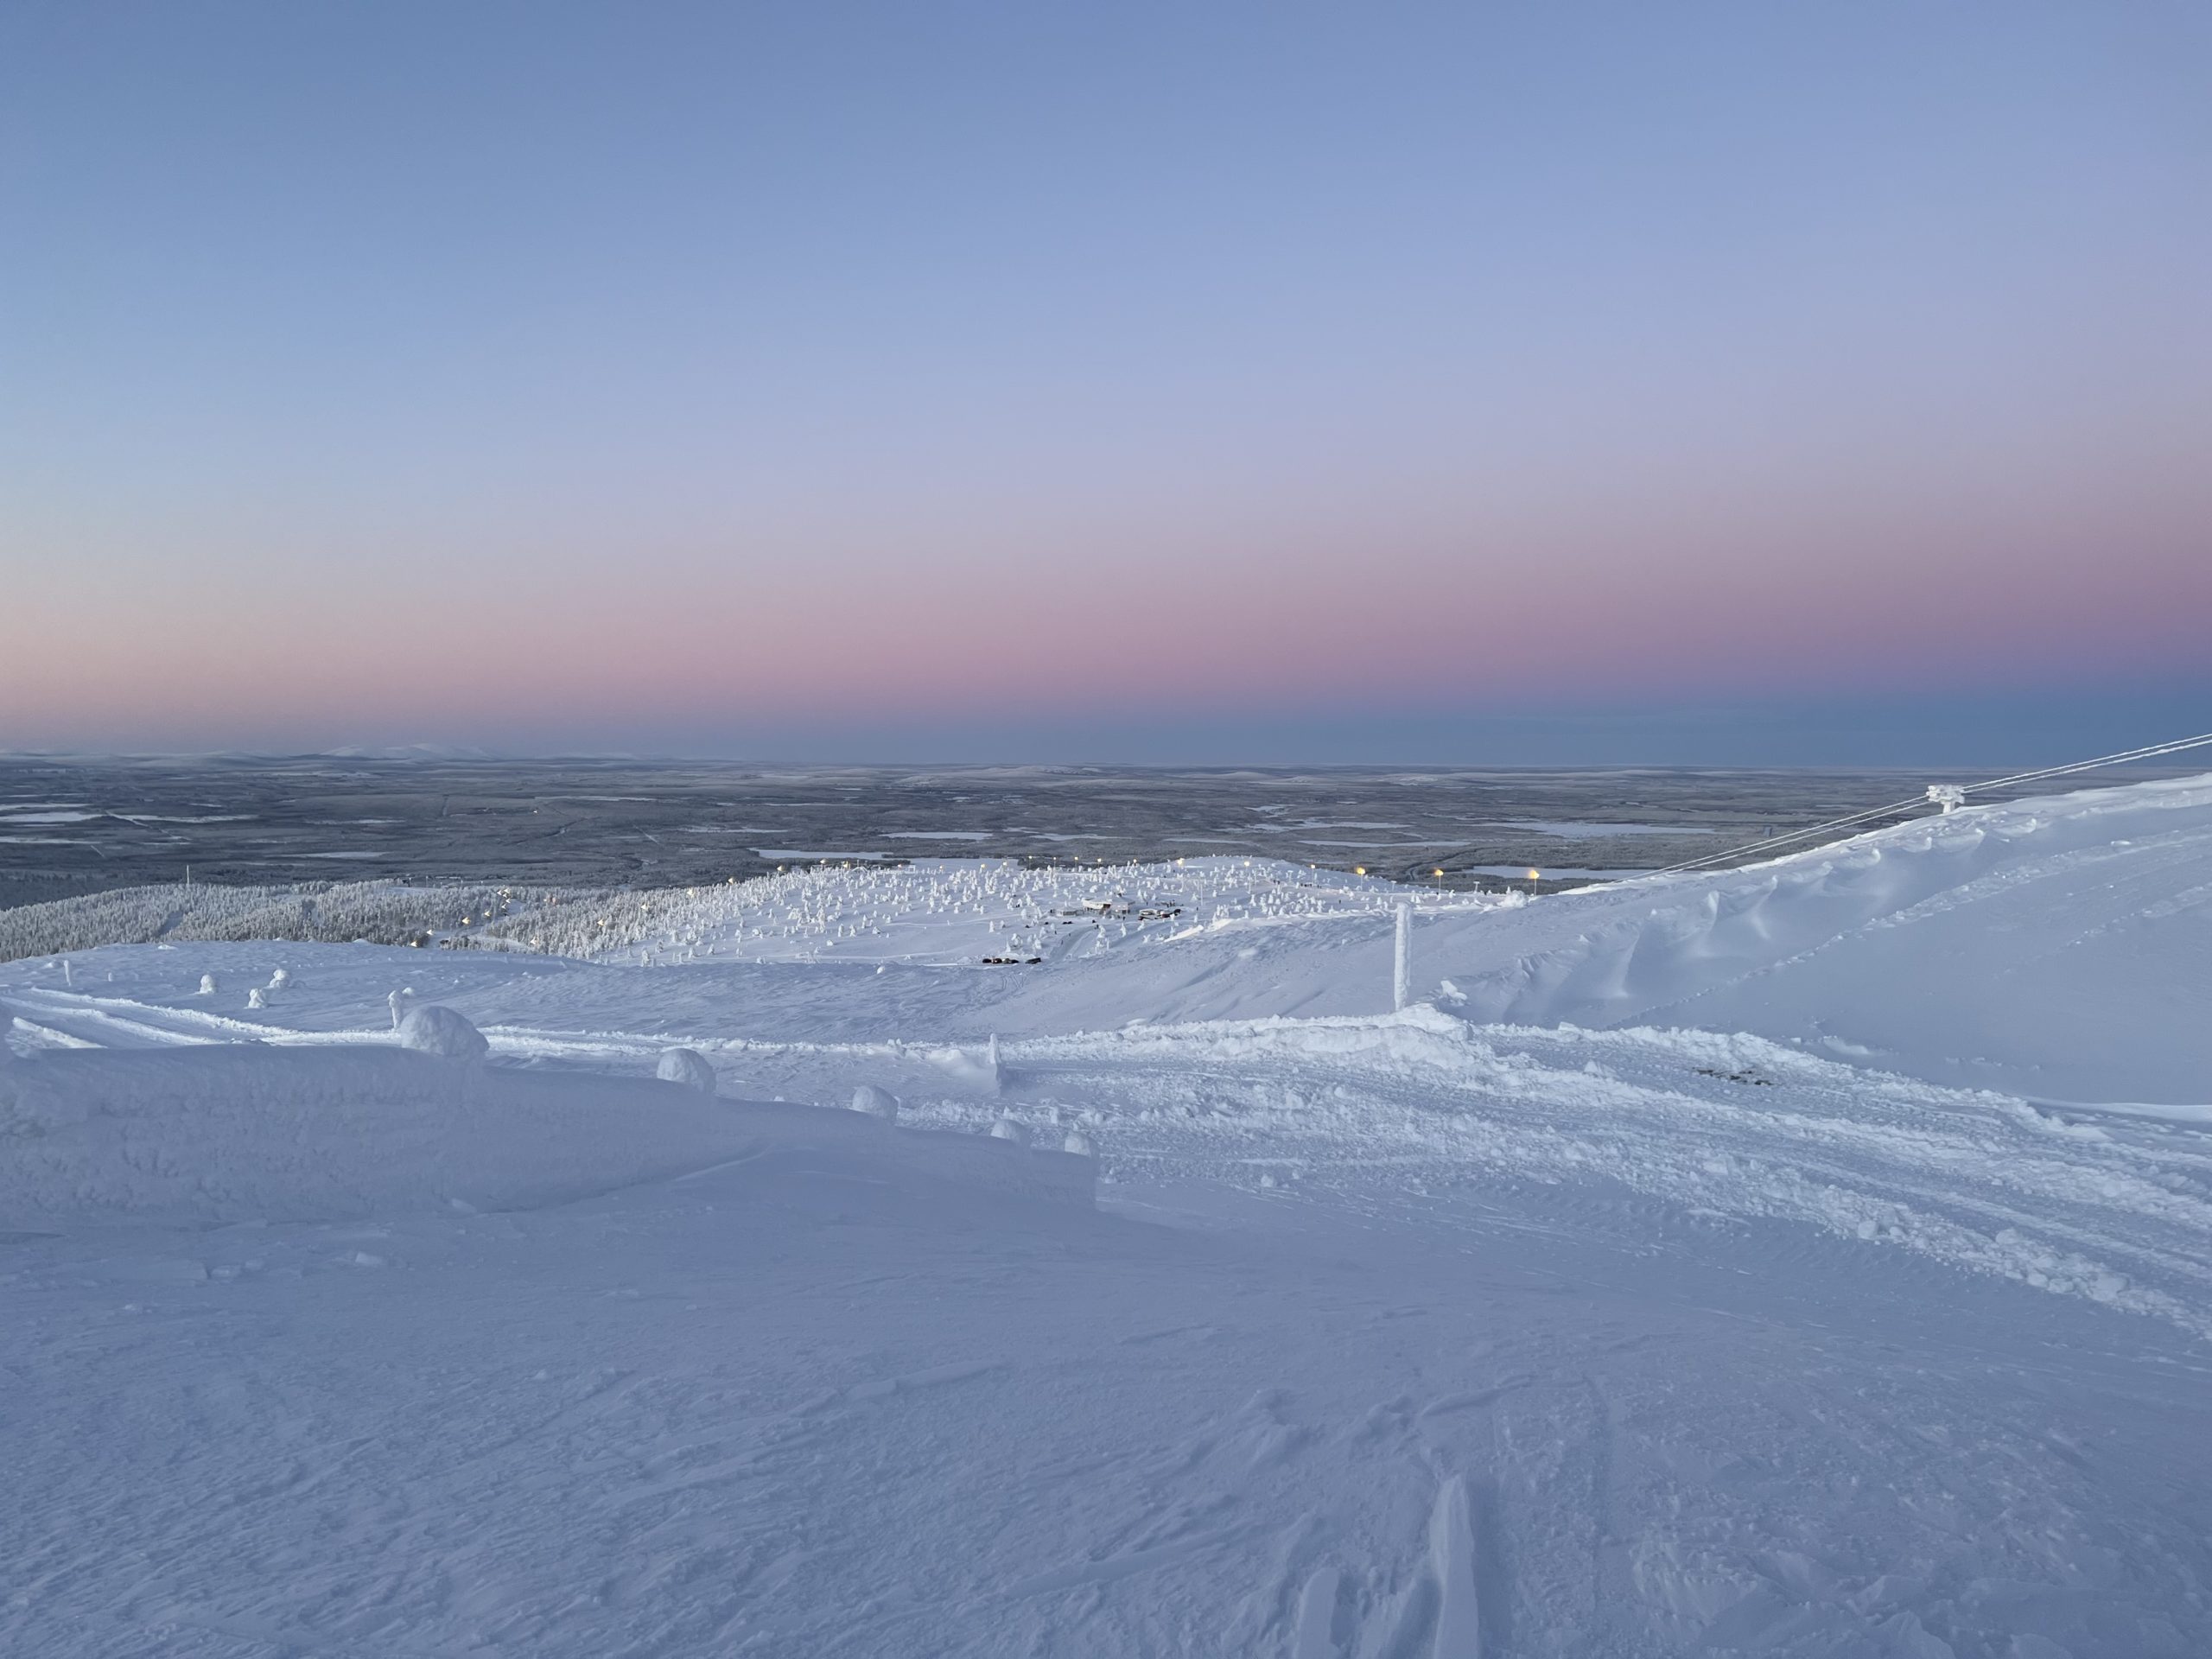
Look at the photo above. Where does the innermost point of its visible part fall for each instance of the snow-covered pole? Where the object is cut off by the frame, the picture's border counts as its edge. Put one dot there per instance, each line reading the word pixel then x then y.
pixel 1401 973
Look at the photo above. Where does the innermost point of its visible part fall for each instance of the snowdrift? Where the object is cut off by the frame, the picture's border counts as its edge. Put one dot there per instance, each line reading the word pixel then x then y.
pixel 2059 948
pixel 205 1136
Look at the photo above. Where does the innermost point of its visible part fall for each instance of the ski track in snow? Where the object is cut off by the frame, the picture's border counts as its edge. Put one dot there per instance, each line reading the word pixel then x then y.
pixel 1464 1331
pixel 1979 1180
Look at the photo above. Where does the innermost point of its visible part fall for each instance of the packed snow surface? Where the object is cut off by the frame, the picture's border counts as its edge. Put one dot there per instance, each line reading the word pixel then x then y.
pixel 237 1135
pixel 1808 1259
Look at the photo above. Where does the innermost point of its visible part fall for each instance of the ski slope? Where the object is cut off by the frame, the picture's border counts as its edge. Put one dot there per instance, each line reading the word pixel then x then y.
pixel 1808 1259
pixel 2058 948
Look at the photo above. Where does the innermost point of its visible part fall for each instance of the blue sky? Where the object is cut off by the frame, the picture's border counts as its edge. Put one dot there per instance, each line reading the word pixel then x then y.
pixel 1105 383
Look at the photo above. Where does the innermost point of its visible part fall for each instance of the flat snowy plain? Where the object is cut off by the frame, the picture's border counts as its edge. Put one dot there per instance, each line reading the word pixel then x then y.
pixel 1808 1259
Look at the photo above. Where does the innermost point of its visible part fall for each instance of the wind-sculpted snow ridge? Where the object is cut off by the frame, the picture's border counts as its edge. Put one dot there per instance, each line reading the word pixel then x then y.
pixel 2056 947
pixel 222 1135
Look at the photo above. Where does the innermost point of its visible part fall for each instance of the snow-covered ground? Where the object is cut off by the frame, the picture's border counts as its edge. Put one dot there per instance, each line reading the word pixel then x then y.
pixel 1811 1259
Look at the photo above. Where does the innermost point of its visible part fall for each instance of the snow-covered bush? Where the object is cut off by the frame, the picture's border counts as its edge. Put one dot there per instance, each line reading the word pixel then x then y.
pixel 279 979
pixel 207 984
pixel 876 1102
pixel 255 998
pixel 431 1029
pixel 687 1066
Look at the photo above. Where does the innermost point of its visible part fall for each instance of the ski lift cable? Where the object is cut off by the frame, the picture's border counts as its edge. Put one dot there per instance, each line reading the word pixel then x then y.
pixel 2147 752
pixel 2144 754
pixel 1852 821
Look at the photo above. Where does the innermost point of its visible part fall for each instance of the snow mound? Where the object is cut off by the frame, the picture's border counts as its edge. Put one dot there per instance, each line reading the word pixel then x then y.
pixel 2050 947
pixel 431 1029
pixel 876 1102
pixel 689 1067
pixel 238 1132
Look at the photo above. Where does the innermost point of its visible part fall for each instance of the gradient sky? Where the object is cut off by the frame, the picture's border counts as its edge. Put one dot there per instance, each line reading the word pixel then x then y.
pixel 1236 382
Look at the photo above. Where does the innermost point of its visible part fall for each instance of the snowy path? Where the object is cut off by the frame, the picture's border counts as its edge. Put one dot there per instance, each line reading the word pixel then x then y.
pixel 1733 1125
pixel 1732 1128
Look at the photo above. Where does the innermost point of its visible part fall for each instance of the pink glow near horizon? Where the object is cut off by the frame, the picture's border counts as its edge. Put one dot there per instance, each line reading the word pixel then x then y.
pixel 225 655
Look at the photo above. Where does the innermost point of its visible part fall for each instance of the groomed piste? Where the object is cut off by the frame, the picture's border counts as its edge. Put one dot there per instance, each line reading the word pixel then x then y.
pixel 1812 1258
